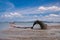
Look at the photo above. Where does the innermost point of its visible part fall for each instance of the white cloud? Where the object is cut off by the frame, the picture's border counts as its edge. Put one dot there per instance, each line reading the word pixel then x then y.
pixel 38 10
pixel 51 8
pixel 15 14
pixel 52 17
pixel 7 15
pixel 55 15
pixel 22 13
pixel 11 15
pixel 42 8
pixel 33 10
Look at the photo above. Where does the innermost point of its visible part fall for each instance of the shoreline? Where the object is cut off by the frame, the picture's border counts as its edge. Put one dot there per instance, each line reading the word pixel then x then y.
pixel 51 33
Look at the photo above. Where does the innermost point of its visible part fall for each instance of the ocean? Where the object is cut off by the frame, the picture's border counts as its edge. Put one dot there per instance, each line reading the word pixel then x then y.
pixel 6 25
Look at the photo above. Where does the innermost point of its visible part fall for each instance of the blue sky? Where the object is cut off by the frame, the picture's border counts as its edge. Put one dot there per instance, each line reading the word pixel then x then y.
pixel 29 10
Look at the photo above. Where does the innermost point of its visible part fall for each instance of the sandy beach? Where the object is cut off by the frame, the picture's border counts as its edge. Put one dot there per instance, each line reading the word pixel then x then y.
pixel 29 19
pixel 51 33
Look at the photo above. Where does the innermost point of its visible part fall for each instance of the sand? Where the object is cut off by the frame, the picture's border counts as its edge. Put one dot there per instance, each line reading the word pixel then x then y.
pixel 51 33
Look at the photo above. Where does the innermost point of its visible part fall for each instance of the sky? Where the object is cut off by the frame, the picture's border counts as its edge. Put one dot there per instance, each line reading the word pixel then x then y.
pixel 29 10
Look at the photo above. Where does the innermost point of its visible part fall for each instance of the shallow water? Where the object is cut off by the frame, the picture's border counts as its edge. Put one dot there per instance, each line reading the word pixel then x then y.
pixel 6 25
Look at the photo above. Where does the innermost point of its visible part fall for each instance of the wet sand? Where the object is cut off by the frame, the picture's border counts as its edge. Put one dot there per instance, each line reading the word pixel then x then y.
pixel 51 33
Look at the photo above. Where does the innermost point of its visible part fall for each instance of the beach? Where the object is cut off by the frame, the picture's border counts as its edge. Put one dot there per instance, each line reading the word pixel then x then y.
pixel 51 33
pixel 29 19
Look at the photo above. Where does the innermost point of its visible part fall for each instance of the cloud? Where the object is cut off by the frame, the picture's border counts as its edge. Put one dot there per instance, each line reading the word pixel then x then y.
pixel 15 14
pixel 55 15
pixel 39 10
pixel 42 8
pixel 12 15
pixel 34 13
pixel 52 17
pixel 51 8
pixel 29 13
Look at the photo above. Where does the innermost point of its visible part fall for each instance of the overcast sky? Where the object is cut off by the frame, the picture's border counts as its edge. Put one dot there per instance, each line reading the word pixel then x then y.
pixel 29 10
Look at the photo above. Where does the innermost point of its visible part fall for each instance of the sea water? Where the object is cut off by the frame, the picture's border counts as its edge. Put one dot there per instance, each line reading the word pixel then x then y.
pixel 6 25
